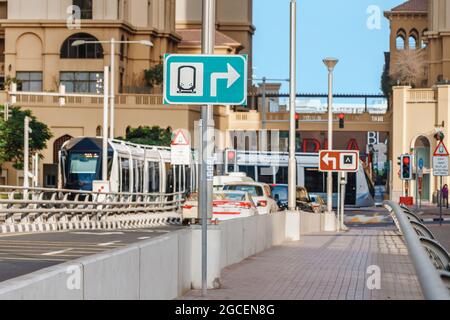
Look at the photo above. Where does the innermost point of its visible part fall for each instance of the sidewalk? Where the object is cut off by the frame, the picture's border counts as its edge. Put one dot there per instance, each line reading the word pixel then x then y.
pixel 323 267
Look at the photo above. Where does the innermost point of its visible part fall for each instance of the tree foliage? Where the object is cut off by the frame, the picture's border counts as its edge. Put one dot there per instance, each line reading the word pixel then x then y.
pixel 12 137
pixel 155 75
pixel 386 81
pixel 410 68
pixel 152 136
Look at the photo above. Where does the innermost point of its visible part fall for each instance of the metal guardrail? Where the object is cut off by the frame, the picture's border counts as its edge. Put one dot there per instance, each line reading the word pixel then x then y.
pixel 28 205
pixel 431 261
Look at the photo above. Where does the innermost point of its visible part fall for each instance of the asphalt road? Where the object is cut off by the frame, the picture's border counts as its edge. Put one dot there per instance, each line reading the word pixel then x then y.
pixel 22 254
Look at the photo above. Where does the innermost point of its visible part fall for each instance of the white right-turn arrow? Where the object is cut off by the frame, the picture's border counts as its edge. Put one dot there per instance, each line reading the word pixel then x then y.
pixel 231 75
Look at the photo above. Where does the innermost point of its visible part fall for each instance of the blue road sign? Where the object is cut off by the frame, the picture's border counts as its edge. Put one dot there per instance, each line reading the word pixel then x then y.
pixel 421 164
pixel 205 79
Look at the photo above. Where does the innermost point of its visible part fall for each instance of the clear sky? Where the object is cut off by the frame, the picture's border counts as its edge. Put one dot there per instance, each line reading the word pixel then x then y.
pixel 325 28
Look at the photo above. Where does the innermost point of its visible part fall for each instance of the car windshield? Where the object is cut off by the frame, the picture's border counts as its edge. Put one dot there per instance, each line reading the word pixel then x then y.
pixel 280 193
pixel 255 191
pixel 230 196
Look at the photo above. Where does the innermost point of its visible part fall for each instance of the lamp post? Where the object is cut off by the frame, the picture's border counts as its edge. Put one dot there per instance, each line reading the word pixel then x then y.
pixel 112 96
pixel 330 63
pixel 292 180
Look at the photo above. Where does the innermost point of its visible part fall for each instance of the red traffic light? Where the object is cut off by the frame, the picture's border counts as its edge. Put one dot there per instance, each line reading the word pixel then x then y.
pixel 297 117
pixel 406 160
pixel 342 116
pixel 231 155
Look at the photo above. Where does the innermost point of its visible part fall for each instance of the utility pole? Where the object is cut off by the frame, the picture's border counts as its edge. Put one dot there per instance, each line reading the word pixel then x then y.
pixel 330 63
pixel 105 124
pixel 292 108
pixel 26 156
pixel 112 85
pixel 264 108
pixel 207 127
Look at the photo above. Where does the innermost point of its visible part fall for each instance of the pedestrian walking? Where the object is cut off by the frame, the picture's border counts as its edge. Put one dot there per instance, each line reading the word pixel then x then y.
pixel 445 195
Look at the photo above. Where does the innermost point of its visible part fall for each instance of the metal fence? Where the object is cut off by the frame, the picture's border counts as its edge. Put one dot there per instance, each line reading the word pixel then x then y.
pixel 24 206
pixel 430 259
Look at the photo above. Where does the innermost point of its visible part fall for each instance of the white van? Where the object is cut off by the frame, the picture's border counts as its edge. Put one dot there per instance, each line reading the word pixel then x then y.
pixel 220 181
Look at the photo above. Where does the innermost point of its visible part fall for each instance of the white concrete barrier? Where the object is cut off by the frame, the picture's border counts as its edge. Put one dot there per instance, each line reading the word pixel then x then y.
pixel 161 268
pixel 62 282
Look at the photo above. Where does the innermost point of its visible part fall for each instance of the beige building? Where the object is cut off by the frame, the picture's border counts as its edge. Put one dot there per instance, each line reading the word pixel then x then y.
pixel 36 38
pixel 418 113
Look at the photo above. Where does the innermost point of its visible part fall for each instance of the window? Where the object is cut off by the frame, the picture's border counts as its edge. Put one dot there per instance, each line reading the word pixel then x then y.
pixel 124 175
pixel 282 175
pixel 29 81
pixel 315 181
pixel 84 51
pixel 153 177
pixel 400 43
pixel 254 191
pixel 265 174
pixel 85 7
pixel 249 171
pixel 90 82
pixel 138 168
pixel 412 42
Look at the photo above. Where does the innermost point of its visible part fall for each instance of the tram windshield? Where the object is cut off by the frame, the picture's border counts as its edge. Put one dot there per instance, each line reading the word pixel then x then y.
pixel 83 167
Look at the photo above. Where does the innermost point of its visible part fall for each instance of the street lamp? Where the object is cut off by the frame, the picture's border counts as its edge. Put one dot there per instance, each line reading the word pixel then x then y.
pixel 112 42
pixel 330 63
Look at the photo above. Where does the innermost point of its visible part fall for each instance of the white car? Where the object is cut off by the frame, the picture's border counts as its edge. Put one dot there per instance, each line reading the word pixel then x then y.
pixel 260 192
pixel 229 205
pixel 220 181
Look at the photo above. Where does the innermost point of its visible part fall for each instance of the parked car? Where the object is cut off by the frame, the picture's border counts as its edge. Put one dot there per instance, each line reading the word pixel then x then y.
pixel 226 205
pixel 260 192
pixel 318 202
pixel 229 205
pixel 220 181
pixel 280 194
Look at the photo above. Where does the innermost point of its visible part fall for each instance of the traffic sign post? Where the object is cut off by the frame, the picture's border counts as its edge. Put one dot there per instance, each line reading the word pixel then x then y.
pixel 440 169
pixel 205 79
pixel 338 161
pixel 180 149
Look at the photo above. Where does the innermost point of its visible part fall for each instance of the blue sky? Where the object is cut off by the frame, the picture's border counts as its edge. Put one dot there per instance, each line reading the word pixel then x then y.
pixel 325 28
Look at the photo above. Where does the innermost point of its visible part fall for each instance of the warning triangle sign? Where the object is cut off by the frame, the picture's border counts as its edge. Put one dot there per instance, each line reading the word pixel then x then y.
pixel 441 150
pixel 180 139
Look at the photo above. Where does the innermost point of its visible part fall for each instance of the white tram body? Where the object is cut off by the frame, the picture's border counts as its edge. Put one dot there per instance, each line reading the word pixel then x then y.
pixel 132 168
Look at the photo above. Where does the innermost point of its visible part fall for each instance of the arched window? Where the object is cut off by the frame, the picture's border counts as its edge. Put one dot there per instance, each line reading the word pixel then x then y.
pixel 412 42
pixel 400 43
pixel 57 145
pixel 85 8
pixel 98 131
pixel 84 51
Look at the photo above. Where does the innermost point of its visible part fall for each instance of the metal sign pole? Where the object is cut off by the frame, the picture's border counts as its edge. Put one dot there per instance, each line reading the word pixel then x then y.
pixel 208 35
pixel 292 180
pixel 441 203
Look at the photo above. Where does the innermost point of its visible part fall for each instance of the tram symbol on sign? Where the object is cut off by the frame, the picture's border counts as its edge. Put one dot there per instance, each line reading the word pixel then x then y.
pixel 186 79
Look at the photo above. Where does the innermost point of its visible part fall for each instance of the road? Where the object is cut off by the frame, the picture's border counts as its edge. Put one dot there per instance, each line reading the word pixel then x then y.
pixel 22 254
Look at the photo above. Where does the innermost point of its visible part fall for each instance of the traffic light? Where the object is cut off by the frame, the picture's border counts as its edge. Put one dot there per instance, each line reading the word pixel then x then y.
pixel 297 121
pixel 406 167
pixel 230 160
pixel 341 121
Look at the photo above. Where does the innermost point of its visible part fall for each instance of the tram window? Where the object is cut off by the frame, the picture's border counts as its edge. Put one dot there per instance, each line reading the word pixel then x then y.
pixel 138 168
pixel 265 174
pixel 153 177
pixel 83 167
pixel 315 181
pixel 282 175
pixel 249 170
pixel 169 179
pixel 125 175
